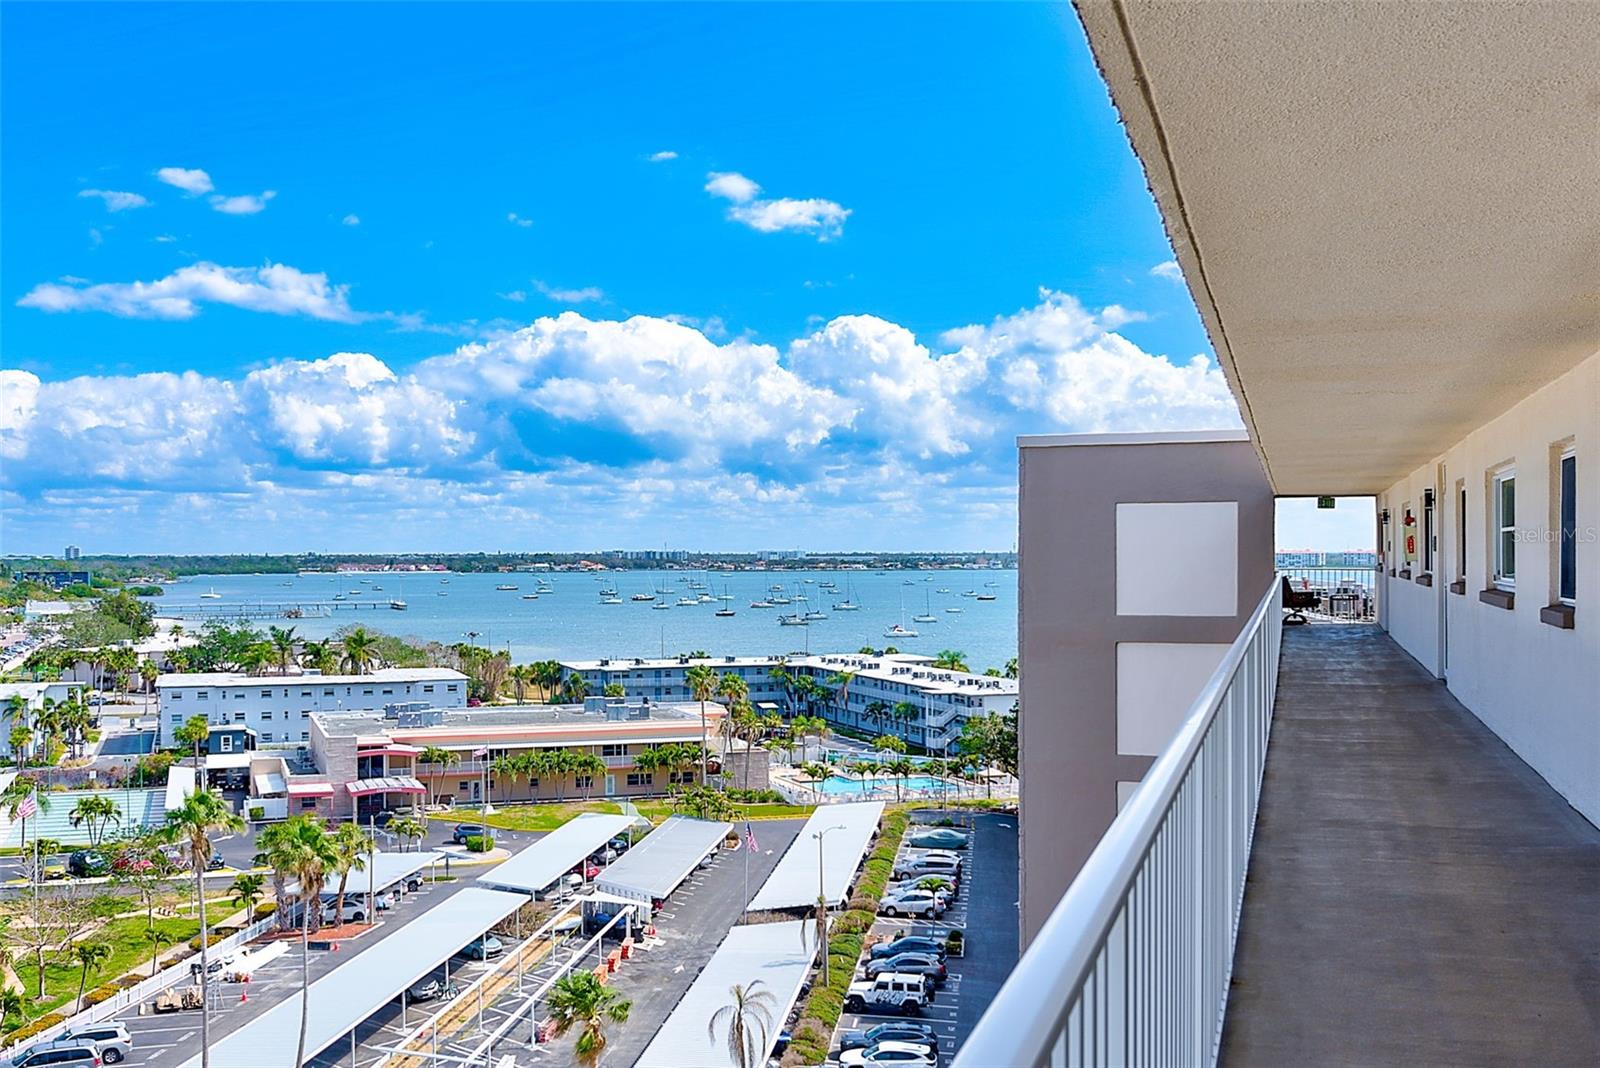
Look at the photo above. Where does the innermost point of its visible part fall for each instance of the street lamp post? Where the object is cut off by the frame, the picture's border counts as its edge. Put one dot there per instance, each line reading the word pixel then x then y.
pixel 822 900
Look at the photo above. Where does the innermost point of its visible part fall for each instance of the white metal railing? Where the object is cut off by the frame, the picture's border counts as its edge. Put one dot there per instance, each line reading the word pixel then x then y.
pixel 171 975
pixel 1132 966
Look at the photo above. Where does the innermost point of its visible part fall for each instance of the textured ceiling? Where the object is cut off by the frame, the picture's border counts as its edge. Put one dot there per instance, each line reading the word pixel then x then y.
pixel 1388 213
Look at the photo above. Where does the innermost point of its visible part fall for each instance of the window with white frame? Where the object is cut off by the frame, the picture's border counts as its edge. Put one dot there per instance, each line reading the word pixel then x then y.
pixel 1427 532
pixel 1567 525
pixel 1461 530
pixel 1503 502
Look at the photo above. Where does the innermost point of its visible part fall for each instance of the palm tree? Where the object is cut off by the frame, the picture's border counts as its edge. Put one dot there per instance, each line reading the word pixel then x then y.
pixel 90 956
pixel 191 824
pixel 408 829
pixel 521 676
pixel 320 656
pixel 439 756
pixel 580 999
pixel 509 767
pixel 247 890
pixel 14 799
pixel 149 673
pixel 256 657
pixel 841 680
pixel 360 651
pixel 96 812
pixel 893 743
pixel 745 1023
pixel 951 660
pixel 157 937
pixel 816 773
pixel 735 694
pixel 547 675
pixel 300 846
pixel 575 689
pixel 350 847
pixel 282 640
pixel 193 732
pixel 783 679
pixel 1011 668
pixel 702 687
pixel 901 769
pixel 588 765
pixel 14 1003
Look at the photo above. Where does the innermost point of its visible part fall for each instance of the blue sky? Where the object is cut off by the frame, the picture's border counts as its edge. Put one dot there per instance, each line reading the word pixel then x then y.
pixel 401 276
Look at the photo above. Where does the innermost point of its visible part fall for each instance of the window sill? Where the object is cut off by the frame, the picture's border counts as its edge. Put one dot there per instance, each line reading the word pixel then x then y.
pixel 1391 572
pixel 1560 616
pixel 1425 579
pixel 1498 598
pixel 1459 587
pixel 1405 572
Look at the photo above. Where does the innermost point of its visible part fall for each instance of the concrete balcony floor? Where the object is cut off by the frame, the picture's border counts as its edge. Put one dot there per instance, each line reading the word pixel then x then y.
pixel 1417 894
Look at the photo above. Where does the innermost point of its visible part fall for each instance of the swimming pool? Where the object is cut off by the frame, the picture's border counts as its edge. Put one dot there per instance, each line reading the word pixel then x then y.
pixel 835 785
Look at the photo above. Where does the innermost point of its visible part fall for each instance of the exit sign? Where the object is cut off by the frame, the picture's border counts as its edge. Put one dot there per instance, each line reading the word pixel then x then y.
pixel 1324 502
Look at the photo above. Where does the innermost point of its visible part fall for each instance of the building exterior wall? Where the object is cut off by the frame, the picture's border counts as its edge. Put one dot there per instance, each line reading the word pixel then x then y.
pixel 1141 558
pixel 279 708
pixel 1534 684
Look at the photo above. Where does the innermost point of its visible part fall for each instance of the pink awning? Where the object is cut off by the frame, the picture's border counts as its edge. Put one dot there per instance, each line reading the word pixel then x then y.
pixel 389 784
pixel 311 789
pixel 391 749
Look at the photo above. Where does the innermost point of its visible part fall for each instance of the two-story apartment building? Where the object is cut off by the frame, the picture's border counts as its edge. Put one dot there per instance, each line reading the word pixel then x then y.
pixel 666 678
pixel 279 707
pixel 368 760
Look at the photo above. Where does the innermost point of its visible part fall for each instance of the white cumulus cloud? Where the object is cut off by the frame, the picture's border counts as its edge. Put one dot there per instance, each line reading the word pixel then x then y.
pixel 276 289
pixel 663 157
pixel 570 296
pixel 517 220
pixel 1169 270
pixel 244 204
pixel 352 220
pixel 116 200
pixel 191 180
pixel 812 215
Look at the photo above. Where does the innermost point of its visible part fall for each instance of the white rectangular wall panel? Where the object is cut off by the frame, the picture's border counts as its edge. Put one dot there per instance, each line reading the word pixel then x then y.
pixel 1157 683
pixel 1178 559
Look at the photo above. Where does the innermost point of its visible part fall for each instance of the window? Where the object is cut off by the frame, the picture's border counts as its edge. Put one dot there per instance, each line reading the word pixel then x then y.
pixel 427 689
pixel 202 695
pixel 177 696
pixel 238 715
pixel 305 713
pixel 1567 524
pixel 328 692
pixel 451 687
pixel 305 693
pixel 225 744
pixel 584 782
pixel 641 778
pixel 305 736
pixel 387 690
pixel 367 691
pixel 1461 531
pixel 177 718
pixel 266 693
pixel 1503 491
pixel 267 737
pixel 613 750
pixel 307 803
pixel 267 714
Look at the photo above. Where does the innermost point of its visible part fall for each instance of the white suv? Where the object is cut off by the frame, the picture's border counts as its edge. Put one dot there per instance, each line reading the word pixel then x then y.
pixel 912 903
pixel 112 1038
pixel 890 992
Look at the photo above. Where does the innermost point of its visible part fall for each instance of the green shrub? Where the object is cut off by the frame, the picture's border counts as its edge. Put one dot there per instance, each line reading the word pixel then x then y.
pixel 480 843
pixel 862 902
pixel 211 940
pixel 43 1023
pixel 856 921
pixel 264 909
pixel 257 812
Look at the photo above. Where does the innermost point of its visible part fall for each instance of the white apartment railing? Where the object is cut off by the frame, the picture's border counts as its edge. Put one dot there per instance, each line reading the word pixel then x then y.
pixel 1132 966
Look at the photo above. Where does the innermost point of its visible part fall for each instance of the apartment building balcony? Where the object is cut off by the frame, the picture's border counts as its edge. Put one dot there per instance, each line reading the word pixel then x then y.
pixel 1407 890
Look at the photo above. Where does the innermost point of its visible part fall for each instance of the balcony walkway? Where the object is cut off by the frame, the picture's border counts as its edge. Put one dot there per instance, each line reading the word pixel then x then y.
pixel 1417 894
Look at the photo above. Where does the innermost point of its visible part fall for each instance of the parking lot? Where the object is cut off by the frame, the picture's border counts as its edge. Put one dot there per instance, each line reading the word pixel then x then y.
pixel 985 908
pixel 166 1039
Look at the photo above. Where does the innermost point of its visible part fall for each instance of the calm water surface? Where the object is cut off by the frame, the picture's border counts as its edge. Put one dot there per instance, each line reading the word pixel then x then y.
pixel 572 623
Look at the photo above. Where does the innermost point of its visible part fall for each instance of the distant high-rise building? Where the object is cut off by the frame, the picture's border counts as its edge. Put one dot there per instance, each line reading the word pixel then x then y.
pixel 72 553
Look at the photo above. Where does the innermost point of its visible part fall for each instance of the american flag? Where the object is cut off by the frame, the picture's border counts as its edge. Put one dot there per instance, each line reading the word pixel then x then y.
pixel 750 838
pixel 28 808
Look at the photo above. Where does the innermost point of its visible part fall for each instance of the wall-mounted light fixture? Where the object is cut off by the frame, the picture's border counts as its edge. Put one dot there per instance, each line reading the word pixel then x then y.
pixel 1427 498
pixel 1383 517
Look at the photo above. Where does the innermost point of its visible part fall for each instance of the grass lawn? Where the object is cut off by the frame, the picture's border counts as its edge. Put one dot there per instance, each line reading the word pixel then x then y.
pixel 550 815
pixel 128 948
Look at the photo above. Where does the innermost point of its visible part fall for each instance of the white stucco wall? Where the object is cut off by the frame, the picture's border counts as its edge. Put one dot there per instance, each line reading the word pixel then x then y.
pixel 1536 686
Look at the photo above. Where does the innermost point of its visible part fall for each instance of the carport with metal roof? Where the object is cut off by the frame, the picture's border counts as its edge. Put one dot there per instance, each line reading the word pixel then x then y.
pixel 383 871
pixel 653 869
pixel 551 857
pixel 346 996
pixel 836 837
pixel 778 955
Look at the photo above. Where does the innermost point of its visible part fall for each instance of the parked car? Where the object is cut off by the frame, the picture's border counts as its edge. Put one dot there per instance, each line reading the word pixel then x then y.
pixel 909 943
pixel 937 885
pixel 215 963
pixel 603 856
pixel 483 948
pixel 425 989
pixel 355 911
pixel 889 994
pixel 911 903
pixel 912 868
pixel 620 845
pixel 938 838
pixel 464 831
pixel 86 863
pixel 383 902
pixel 65 1057
pixel 216 863
pixel 904 1054
pixel 910 963
pixel 920 1034
pixel 111 1037
pixel 916 855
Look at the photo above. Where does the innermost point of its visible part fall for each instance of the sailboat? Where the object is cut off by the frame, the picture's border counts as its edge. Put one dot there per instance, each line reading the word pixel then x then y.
pixel 796 620
pixel 724 609
pixel 927 616
pixel 849 603
pixel 210 595
pixel 900 630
